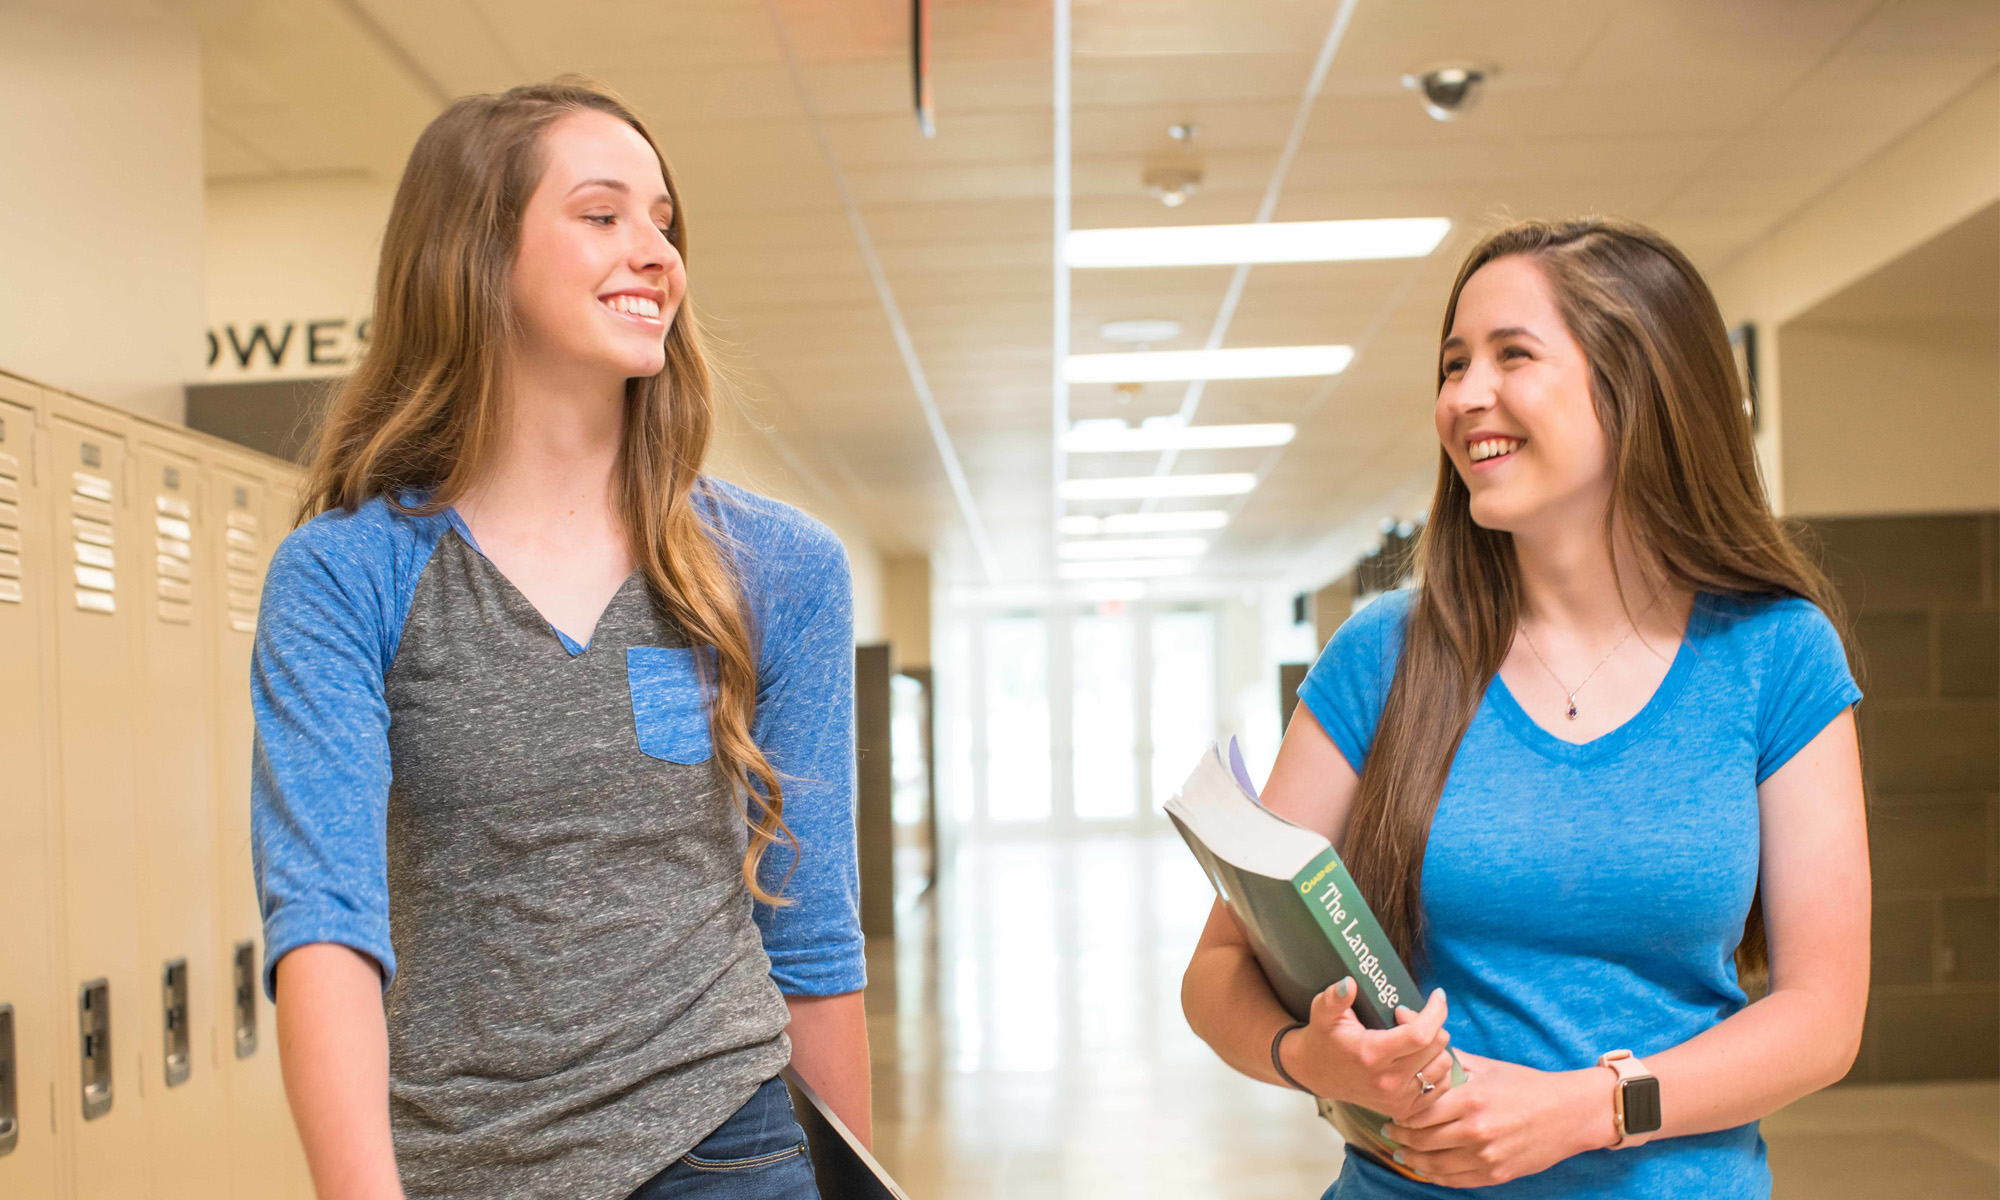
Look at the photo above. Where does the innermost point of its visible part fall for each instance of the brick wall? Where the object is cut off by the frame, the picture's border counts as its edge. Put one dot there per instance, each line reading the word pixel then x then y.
pixel 1921 594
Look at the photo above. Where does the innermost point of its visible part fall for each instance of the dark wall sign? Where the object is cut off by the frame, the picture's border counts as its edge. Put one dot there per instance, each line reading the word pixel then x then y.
pixel 331 342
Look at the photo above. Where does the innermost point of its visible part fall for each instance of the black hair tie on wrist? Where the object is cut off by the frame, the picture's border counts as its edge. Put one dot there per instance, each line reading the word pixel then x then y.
pixel 1278 1065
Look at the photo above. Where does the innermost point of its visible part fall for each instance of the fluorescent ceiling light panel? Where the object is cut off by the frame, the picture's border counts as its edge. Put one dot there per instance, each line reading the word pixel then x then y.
pixel 1168 547
pixel 1150 487
pixel 1088 437
pixel 1114 589
pixel 1154 522
pixel 1138 568
pixel 1165 522
pixel 1222 245
pixel 1247 362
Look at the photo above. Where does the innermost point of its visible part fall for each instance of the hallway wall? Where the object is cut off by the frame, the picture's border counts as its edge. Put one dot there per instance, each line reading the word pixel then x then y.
pixel 1921 595
pixel 100 204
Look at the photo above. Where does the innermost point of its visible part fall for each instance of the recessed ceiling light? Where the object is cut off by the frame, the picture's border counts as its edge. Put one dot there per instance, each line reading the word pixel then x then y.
pixel 1165 522
pixel 1091 437
pixel 1223 245
pixel 1249 362
pixel 1129 569
pixel 1081 525
pixel 1146 487
pixel 1139 331
pixel 1114 589
pixel 1167 547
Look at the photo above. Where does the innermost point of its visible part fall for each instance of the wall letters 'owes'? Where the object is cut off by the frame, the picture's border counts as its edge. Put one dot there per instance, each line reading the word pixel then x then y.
pixel 334 342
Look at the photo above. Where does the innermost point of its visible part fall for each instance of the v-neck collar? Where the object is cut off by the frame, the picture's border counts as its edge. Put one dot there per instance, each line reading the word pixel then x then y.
pixel 1531 732
pixel 569 644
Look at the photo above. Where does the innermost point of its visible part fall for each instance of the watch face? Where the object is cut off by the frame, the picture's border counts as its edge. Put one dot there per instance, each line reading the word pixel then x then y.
pixel 1642 1105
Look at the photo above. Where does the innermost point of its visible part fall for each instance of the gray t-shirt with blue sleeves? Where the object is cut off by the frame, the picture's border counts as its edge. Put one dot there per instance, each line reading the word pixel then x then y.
pixel 531 839
pixel 1580 898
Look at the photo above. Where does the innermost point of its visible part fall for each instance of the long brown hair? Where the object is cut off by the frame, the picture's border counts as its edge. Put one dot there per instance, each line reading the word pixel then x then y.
pixel 422 417
pixel 1685 490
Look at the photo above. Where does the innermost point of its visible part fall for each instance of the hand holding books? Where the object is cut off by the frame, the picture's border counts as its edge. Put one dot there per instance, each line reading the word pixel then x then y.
pixel 1364 1054
pixel 1336 1055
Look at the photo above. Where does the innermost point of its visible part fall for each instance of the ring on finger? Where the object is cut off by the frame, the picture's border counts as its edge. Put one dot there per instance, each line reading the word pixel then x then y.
pixel 1424 1086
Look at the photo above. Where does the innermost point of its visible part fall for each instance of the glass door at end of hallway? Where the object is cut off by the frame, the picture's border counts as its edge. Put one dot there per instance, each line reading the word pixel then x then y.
pixel 1075 720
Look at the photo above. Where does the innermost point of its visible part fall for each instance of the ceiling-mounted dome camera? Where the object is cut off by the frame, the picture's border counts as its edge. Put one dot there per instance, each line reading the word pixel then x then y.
pixel 1449 90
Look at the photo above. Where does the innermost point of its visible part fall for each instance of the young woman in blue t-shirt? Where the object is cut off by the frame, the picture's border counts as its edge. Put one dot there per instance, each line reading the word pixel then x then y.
pixel 1595 772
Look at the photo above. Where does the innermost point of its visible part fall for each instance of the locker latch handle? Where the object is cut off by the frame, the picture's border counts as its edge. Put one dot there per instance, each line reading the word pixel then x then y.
pixel 10 1112
pixel 244 972
pixel 174 1021
pixel 93 1010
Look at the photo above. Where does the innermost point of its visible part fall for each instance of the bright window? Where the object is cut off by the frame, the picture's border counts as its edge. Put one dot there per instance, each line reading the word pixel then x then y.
pixel 1183 697
pixel 1017 719
pixel 1106 776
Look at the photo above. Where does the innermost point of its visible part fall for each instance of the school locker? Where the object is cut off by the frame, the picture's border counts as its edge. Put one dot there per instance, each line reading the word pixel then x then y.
pixel 175 716
pixel 96 598
pixel 33 1024
pixel 248 502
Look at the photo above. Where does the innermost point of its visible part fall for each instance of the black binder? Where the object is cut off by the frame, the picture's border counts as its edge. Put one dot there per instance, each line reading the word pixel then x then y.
pixel 842 1165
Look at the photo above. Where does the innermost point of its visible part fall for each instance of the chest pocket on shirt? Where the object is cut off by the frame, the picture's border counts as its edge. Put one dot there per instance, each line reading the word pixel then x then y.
pixel 667 704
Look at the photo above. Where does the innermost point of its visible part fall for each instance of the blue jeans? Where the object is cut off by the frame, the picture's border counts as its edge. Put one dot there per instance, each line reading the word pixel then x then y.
pixel 758 1154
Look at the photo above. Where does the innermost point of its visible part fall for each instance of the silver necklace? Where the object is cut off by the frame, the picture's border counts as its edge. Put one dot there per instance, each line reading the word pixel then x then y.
pixel 1572 691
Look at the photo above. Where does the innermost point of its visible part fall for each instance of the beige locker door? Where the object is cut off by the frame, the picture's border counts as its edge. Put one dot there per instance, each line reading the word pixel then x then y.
pixel 176 794
pixel 96 597
pixel 242 528
pixel 34 1028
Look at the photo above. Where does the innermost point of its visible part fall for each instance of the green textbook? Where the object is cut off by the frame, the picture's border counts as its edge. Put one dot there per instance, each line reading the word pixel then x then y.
pixel 1305 919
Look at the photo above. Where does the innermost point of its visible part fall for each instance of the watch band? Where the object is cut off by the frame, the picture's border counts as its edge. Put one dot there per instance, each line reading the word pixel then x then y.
pixel 1635 1099
pixel 1278 1065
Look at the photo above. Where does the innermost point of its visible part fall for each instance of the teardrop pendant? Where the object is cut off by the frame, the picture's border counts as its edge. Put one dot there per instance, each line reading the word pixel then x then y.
pixel 1572 709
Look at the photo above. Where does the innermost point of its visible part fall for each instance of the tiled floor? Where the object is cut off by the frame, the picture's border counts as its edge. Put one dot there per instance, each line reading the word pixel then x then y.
pixel 1029 1044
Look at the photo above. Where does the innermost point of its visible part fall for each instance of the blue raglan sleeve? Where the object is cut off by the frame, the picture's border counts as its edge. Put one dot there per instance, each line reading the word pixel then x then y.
pixel 797 576
pixel 1807 685
pixel 1348 684
pixel 320 772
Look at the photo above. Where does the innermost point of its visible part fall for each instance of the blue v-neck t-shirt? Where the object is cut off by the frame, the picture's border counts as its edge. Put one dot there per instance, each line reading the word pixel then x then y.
pixel 1580 898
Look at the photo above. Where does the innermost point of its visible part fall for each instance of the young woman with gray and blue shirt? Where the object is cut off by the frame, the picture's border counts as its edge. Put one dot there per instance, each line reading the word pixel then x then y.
pixel 555 744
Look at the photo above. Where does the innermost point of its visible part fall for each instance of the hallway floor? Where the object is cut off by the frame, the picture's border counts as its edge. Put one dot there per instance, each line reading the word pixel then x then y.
pixel 1029 1044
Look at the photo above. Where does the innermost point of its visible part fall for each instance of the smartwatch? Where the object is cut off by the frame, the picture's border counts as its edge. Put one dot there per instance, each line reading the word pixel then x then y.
pixel 1635 1100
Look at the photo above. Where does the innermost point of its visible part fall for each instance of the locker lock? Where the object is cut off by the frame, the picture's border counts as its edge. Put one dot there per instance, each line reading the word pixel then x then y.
pixel 93 1010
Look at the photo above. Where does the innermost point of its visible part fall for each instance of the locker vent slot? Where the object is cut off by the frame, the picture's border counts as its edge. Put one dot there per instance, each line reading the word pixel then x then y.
pixel 243 968
pixel 10 593
pixel 10 1109
pixel 174 1021
pixel 240 550
pixel 173 577
pixel 93 1011
pixel 91 522
pixel 10 540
